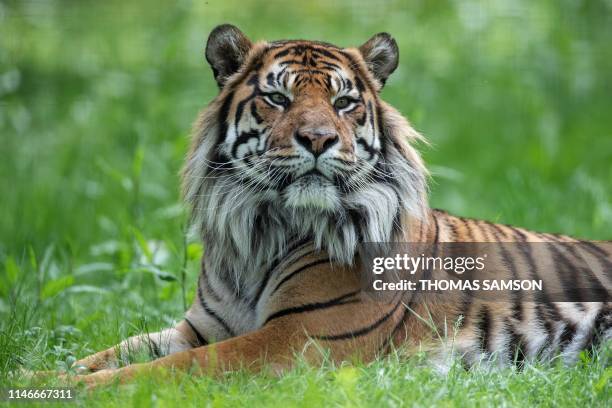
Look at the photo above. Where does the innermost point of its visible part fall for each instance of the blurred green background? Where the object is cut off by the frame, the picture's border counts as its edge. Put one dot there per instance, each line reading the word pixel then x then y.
pixel 97 99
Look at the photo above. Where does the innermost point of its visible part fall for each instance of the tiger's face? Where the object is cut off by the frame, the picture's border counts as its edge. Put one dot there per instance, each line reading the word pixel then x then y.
pixel 301 120
pixel 299 144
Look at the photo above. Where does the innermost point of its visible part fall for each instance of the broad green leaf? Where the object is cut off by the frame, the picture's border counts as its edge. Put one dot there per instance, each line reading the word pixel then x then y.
pixel 165 276
pixel 87 289
pixel 56 286
pixel 142 243
pixel 12 270
pixel 94 267
pixel 32 255
pixel 137 163
pixel 194 251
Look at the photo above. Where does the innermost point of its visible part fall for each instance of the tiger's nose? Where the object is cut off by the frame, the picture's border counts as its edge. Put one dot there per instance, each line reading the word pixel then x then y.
pixel 316 141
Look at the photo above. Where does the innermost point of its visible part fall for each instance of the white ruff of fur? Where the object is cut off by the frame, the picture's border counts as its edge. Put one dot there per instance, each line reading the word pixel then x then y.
pixel 245 229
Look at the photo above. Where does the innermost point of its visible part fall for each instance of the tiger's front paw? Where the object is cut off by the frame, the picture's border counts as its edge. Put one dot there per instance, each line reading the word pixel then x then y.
pixel 103 360
pixel 96 379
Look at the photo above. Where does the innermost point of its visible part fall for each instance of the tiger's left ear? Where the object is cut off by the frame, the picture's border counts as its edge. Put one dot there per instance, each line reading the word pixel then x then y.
pixel 381 55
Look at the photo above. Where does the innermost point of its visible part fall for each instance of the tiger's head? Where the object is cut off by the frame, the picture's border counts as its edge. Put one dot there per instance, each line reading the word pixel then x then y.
pixel 298 144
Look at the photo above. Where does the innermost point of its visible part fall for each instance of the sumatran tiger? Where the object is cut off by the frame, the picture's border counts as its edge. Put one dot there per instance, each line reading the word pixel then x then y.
pixel 293 166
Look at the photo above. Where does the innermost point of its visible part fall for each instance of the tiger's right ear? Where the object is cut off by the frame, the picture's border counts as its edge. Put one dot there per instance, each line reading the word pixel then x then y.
pixel 226 50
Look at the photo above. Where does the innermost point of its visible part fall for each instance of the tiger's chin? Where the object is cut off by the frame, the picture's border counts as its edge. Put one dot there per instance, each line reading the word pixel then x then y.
pixel 312 192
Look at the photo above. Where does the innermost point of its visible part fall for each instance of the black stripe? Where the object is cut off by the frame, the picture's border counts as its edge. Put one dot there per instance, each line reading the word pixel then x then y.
pixel 454 229
pixel 500 233
pixel 348 84
pixel 517 310
pixel 242 103
pixel 282 53
pixel 595 249
pixel 549 237
pixel 325 53
pixel 468 228
pixel 299 80
pixel 201 340
pixel 359 84
pixel 309 71
pixel 437 233
pixel 262 286
pixel 601 323
pixel 330 65
pixel 567 335
pixel 153 348
pixel 383 135
pixel 402 321
pixel 389 341
pixel 299 270
pixel 214 315
pixel 543 308
pixel 360 332
pixel 362 119
pixel 301 48
pixel 522 237
pixel 222 118
pixel 599 253
pixel 572 288
pixel 341 300
pixel 369 149
pixel 598 291
pixel 549 313
pixel 357 67
pixel 371 116
pixel 484 328
pixel 486 231
pixel 244 138
pixel 532 267
pixel 209 289
pixel 515 346
pixel 272 267
pixel 255 114
pixel 280 73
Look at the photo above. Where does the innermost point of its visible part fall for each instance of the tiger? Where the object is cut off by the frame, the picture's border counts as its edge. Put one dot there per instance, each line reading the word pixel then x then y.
pixel 293 166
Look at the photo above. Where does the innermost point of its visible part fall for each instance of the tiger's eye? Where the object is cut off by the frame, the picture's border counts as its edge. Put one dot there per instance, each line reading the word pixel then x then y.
pixel 342 103
pixel 279 98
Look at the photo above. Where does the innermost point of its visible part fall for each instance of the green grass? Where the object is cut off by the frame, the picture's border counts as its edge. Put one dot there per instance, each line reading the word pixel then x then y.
pixel 96 103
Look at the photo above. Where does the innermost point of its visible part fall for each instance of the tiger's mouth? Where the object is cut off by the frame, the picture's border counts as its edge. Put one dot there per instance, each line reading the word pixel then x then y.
pixel 313 175
pixel 312 190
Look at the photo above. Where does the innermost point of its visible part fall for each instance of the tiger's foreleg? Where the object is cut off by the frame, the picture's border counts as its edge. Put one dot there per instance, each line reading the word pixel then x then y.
pixel 275 345
pixel 269 345
pixel 152 345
